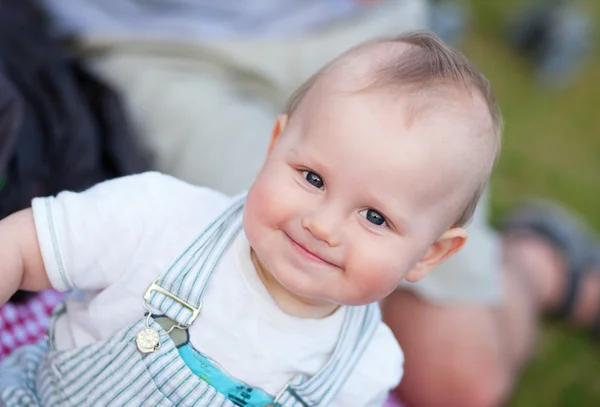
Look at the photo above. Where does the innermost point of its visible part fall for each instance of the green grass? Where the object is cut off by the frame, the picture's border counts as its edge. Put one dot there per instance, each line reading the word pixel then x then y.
pixel 551 149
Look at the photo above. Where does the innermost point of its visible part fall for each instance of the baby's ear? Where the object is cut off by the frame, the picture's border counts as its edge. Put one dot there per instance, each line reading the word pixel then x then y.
pixel 278 129
pixel 448 244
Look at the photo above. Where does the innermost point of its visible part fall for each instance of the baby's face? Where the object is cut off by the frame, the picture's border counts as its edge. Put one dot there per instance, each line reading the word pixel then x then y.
pixel 353 195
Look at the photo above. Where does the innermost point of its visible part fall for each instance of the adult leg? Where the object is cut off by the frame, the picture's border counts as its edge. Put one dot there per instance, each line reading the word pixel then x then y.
pixel 461 355
pixel 470 355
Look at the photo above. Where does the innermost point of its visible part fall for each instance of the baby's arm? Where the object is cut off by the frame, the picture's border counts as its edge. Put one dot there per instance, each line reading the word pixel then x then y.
pixel 21 264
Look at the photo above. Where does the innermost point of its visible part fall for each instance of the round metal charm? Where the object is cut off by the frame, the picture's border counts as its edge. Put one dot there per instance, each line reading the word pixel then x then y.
pixel 147 340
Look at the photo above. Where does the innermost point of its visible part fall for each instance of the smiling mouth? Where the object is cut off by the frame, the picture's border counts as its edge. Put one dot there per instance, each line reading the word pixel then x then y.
pixel 307 254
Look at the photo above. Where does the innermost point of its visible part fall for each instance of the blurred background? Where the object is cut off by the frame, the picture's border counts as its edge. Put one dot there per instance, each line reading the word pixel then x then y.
pixel 551 149
pixel 543 65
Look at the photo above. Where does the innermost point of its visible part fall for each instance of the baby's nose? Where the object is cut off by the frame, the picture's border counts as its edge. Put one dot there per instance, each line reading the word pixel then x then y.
pixel 323 228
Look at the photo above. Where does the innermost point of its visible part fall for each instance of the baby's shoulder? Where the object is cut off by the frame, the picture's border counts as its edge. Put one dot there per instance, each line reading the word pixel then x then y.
pixel 156 202
pixel 165 193
pixel 165 185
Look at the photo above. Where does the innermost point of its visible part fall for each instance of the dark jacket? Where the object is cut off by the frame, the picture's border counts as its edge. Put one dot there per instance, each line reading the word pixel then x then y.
pixel 61 128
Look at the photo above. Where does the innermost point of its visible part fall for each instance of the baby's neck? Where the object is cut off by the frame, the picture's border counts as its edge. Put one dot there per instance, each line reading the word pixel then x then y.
pixel 289 302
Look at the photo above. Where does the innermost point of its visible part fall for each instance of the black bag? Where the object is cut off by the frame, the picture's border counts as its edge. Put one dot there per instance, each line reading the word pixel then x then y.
pixel 60 127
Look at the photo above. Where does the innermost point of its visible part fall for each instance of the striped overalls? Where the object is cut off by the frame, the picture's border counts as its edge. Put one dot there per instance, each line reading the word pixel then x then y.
pixel 142 365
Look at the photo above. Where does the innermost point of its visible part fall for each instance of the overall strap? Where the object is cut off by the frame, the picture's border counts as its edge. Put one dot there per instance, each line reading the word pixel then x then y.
pixel 360 325
pixel 177 293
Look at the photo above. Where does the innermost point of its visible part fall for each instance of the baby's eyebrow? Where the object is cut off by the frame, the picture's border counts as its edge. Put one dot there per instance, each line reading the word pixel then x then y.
pixel 294 151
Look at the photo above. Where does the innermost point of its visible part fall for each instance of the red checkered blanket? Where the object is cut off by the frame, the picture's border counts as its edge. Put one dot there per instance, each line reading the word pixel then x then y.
pixel 22 324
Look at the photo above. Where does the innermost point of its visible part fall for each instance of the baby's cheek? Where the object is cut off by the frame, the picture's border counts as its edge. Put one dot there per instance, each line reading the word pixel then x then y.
pixel 273 197
pixel 386 280
pixel 260 202
pixel 375 278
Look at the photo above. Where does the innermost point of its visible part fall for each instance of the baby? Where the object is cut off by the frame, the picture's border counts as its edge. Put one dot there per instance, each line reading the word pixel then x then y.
pixel 183 296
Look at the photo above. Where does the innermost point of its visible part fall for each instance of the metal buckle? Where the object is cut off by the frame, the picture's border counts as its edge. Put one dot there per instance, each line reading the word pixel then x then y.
pixel 155 287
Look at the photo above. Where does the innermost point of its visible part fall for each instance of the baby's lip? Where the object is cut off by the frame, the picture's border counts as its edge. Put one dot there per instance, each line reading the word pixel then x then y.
pixel 311 253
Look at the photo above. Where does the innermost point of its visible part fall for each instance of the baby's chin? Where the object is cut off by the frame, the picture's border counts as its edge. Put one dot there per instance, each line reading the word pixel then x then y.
pixel 364 298
pixel 338 297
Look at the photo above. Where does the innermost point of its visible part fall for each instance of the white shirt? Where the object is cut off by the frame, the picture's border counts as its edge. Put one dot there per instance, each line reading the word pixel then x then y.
pixel 115 239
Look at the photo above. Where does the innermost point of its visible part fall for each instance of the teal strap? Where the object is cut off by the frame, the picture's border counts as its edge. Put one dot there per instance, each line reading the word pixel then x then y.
pixel 235 390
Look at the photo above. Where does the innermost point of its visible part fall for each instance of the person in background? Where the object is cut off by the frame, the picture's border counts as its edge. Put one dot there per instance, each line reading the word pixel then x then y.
pixel 204 81
pixel 360 190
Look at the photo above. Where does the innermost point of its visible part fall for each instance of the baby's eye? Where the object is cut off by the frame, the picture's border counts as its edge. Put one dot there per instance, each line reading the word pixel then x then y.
pixel 313 179
pixel 373 216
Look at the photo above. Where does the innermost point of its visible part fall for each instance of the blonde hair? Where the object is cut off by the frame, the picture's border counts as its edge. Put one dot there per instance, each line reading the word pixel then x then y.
pixel 426 62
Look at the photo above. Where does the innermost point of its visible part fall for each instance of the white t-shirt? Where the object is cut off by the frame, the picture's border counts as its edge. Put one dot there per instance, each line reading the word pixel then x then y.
pixel 115 239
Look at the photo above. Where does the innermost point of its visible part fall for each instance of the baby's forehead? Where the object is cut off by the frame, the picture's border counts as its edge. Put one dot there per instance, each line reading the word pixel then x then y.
pixel 386 67
pixel 359 68
pixel 398 77
pixel 433 112
pixel 407 102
